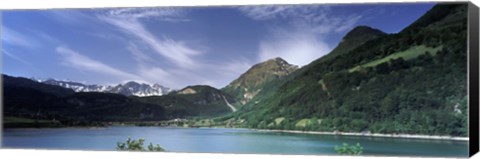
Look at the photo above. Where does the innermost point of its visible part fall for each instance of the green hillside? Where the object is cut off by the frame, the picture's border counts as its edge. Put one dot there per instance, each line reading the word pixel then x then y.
pixel 255 80
pixel 408 54
pixel 410 82
pixel 193 101
pixel 356 37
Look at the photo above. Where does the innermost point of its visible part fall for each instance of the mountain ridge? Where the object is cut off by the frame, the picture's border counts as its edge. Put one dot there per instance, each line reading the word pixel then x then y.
pixel 352 39
pixel 128 88
pixel 61 106
pixel 250 83
pixel 194 100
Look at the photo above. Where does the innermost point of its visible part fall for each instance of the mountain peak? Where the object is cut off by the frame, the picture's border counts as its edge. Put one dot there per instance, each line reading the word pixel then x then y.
pixel 132 83
pixel 275 65
pixel 354 38
pixel 252 81
pixel 362 31
pixel 193 89
pixel 278 59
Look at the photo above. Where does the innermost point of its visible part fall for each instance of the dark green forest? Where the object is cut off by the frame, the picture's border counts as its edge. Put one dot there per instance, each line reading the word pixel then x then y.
pixel 205 102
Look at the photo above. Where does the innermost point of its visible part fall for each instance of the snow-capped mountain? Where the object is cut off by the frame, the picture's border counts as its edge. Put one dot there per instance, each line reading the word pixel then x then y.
pixel 77 87
pixel 140 89
pixel 128 89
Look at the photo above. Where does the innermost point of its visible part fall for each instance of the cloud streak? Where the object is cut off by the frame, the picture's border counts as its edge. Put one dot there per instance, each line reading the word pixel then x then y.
pixel 316 18
pixel 83 63
pixel 128 20
pixel 12 37
pixel 13 56
pixel 138 54
pixel 163 14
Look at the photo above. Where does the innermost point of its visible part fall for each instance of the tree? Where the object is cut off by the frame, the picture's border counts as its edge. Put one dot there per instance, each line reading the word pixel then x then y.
pixel 349 150
pixel 137 145
pixel 382 68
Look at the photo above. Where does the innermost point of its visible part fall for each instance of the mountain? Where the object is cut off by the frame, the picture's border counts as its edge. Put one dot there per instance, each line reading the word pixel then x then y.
pixel 249 84
pixel 139 89
pixel 128 89
pixel 77 87
pixel 20 82
pixel 411 82
pixel 49 103
pixel 199 100
pixel 58 106
pixel 354 38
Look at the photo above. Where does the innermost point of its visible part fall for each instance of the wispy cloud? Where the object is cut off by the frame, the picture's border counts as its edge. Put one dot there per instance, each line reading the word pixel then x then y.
pixel 15 57
pixel 298 32
pixel 267 12
pixel 159 75
pixel 44 38
pixel 316 18
pixel 106 36
pixel 128 20
pixel 163 14
pixel 12 37
pixel 83 63
pixel 138 54
pixel 73 17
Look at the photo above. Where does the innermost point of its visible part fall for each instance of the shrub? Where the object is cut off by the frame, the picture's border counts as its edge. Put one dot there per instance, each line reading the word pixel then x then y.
pixel 137 145
pixel 349 150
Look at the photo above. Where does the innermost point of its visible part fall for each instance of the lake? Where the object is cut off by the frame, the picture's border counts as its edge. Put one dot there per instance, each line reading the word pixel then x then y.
pixel 224 140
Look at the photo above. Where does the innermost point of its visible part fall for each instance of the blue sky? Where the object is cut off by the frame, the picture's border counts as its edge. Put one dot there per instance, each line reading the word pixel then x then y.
pixel 181 46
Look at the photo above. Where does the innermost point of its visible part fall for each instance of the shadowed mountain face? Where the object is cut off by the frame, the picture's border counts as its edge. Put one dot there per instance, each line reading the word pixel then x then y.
pixel 410 82
pixel 20 82
pixel 249 84
pixel 199 100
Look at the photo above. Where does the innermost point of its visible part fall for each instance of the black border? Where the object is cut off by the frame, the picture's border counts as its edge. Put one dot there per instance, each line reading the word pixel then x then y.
pixel 473 78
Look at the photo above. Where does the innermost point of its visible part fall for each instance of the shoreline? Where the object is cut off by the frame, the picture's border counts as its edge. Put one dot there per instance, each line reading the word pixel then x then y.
pixel 406 136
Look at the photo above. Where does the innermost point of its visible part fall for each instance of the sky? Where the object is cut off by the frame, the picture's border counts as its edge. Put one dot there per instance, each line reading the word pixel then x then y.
pixel 181 46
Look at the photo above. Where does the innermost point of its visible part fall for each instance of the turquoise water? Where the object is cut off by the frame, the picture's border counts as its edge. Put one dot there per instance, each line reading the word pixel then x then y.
pixel 219 140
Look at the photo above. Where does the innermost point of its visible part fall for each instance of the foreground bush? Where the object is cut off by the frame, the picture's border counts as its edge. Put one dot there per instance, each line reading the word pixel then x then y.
pixel 349 150
pixel 137 145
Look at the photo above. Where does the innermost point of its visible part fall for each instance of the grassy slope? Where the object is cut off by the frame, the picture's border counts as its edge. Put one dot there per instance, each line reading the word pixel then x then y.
pixel 411 53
